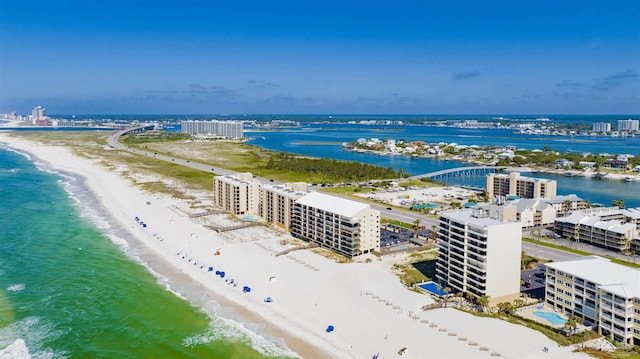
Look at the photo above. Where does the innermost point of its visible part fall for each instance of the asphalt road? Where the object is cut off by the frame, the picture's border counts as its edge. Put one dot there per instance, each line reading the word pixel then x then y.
pixel 543 252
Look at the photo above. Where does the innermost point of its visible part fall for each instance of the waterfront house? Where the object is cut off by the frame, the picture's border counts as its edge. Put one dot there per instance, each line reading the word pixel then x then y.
pixel 617 165
pixel 563 162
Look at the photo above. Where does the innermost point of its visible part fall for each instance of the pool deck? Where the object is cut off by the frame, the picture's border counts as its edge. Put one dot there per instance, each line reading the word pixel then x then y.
pixel 527 312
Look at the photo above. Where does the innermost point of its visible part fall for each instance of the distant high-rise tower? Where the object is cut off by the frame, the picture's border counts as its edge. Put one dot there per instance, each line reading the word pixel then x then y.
pixel 37 113
pixel 601 127
pixel 628 125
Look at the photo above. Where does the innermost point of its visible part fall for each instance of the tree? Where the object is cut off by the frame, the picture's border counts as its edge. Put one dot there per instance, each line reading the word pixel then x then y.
pixel 571 324
pixel 446 293
pixel 416 223
pixel 484 303
pixel 505 307
pixel 618 203
pixel 469 296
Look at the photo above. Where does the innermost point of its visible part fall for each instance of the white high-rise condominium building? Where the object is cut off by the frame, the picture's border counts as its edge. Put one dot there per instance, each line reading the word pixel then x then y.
pixel 601 127
pixel 513 184
pixel 344 226
pixel 227 129
pixel 37 113
pixel 479 255
pixel 628 125
pixel 277 202
pixel 238 194
pixel 600 293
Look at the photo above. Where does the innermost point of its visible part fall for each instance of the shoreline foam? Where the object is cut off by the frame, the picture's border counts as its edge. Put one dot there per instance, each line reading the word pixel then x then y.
pixel 371 311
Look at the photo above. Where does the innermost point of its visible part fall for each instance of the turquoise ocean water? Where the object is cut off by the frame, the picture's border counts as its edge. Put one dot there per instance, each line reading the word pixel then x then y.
pixel 72 287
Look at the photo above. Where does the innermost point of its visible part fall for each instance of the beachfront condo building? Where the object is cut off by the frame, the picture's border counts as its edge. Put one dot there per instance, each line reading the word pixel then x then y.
pixel 347 227
pixel 513 185
pixel 226 129
pixel 600 293
pixel 609 227
pixel 277 202
pixel 238 194
pixel 480 255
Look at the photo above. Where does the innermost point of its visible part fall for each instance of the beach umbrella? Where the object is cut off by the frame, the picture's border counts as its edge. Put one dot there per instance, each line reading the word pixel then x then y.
pixel 268 300
pixel 211 269
pixel 330 329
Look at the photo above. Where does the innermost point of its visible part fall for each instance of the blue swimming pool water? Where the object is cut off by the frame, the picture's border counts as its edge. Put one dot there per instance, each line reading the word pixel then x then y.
pixel 553 318
pixel 401 248
pixel 432 287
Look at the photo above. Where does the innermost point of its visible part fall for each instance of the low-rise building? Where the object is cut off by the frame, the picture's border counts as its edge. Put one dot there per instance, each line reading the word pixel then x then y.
pixel 347 227
pixel 529 212
pixel 608 227
pixel 600 293
pixel 566 203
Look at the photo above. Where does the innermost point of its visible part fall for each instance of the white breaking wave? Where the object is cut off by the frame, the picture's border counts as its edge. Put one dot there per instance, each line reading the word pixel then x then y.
pixel 33 333
pixel 16 287
pixel 16 350
pixel 228 329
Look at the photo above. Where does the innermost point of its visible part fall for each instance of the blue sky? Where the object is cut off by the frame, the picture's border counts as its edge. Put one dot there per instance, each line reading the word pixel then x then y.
pixel 310 57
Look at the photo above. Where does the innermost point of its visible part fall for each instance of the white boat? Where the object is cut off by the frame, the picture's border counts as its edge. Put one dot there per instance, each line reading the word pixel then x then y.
pixel 629 179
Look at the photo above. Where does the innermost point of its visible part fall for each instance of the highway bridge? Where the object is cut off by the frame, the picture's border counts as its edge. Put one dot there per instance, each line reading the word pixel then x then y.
pixel 461 172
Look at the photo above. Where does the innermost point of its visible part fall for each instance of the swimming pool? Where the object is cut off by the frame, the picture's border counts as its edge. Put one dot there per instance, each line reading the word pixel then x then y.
pixel 432 287
pixel 401 248
pixel 552 318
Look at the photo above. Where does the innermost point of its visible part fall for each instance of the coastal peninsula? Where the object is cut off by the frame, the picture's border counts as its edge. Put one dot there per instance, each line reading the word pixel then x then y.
pixel 308 291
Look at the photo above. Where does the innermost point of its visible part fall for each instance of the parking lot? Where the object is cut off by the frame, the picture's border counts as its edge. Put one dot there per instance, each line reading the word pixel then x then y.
pixel 393 238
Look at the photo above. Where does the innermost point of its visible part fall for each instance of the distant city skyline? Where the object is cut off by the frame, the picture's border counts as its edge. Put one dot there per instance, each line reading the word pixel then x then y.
pixel 313 57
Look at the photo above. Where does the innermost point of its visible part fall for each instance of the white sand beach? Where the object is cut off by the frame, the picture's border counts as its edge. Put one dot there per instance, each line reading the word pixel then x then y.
pixel 365 302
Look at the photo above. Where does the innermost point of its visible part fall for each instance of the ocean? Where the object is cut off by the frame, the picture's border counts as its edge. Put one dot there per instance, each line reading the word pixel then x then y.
pixel 72 285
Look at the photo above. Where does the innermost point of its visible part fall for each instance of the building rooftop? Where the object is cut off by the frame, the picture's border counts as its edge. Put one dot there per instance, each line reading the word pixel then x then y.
pixel 290 190
pixel 523 203
pixel 561 199
pixel 341 206
pixel 615 278
pixel 633 213
pixel 477 217
pixel 615 226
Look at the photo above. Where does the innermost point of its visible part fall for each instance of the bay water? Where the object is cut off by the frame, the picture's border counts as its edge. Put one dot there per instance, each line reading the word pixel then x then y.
pixel 324 140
